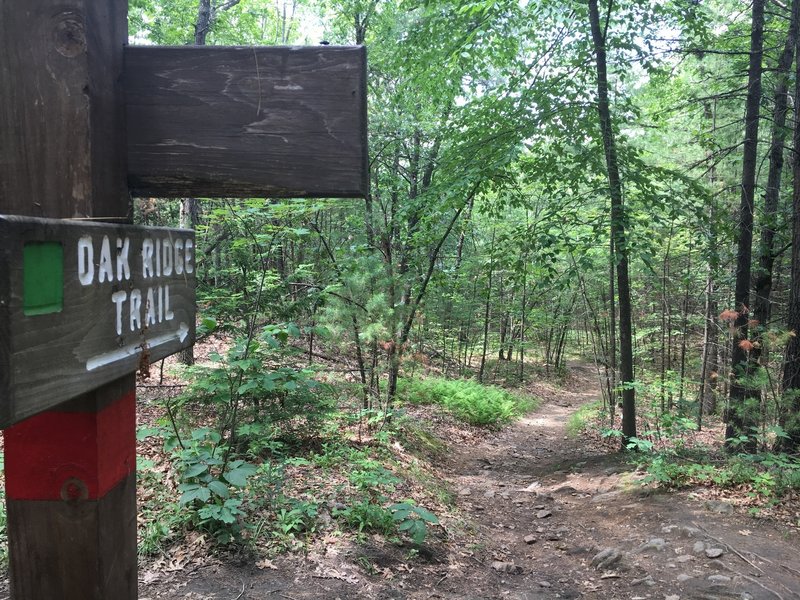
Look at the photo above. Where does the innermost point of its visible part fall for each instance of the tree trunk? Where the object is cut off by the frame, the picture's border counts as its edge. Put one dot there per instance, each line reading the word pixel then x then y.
pixel 203 22
pixel 618 234
pixel 741 412
pixel 487 310
pixel 710 364
pixel 189 219
pixel 762 287
pixel 790 417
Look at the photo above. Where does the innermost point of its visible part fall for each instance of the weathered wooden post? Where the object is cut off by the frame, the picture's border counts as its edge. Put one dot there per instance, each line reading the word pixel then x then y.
pixel 70 471
pixel 84 120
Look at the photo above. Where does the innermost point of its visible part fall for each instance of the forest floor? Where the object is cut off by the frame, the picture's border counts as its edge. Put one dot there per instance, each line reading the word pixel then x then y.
pixel 536 514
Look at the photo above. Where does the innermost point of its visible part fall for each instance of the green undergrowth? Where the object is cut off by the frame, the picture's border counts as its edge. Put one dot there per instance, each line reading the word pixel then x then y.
pixel 763 478
pixel 582 418
pixel 285 497
pixel 283 481
pixel 467 400
pixel 673 460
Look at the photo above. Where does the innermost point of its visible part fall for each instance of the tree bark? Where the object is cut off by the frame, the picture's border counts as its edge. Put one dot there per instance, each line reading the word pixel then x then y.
pixel 741 413
pixel 487 310
pixel 203 22
pixel 710 364
pixel 790 417
pixel 762 289
pixel 618 234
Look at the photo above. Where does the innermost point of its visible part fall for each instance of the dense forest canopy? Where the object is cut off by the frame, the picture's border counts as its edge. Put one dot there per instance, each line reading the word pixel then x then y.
pixel 612 180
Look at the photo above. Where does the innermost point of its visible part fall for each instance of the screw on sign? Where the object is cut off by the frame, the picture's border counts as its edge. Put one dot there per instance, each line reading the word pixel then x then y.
pixel 85 121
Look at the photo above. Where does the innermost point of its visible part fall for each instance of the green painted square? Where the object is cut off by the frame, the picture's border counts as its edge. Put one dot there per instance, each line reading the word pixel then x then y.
pixel 42 278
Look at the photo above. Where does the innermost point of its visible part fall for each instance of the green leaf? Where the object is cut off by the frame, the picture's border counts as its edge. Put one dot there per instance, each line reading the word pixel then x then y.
pixel 406 525
pixel 145 432
pixel 238 477
pixel 401 515
pixel 219 488
pixel 192 492
pixel 426 515
pixel 195 470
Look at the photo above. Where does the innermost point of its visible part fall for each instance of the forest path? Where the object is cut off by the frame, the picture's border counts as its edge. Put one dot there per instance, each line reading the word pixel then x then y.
pixel 548 504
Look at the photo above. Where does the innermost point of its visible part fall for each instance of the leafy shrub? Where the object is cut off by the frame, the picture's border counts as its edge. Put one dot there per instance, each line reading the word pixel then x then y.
pixel 212 483
pixel 413 520
pixel 243 389
pixel 366 516
pixel 469 401
pixel 766 476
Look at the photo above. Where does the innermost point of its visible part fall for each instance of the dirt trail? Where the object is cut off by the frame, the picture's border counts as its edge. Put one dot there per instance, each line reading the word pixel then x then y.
pixel 539 515
pixel 548 506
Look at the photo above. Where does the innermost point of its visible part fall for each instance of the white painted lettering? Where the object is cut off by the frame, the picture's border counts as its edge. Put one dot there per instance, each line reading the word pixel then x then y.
pixel 168 314
pixel 147 258
pixel 85 260
pixel 151 318
pixel 158 259
pixel 178 256
pixel 123 266
pixel 188 257
pixel 118 298
pixel 160 304
pixel 136 310
pixel 105 270
pixel 167 264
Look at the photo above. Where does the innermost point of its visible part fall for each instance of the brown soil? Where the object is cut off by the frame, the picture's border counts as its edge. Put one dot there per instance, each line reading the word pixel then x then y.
pixel 571 499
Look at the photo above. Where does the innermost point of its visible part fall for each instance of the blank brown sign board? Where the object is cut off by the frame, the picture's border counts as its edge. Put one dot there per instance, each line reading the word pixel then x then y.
pixel 246 122
pixel 82 304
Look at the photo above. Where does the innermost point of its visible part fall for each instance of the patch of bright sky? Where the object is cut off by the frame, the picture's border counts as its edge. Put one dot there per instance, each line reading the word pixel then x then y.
pixel 310 25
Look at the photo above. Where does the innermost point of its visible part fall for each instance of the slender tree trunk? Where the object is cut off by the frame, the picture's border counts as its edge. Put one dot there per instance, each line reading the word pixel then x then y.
pixel 762 287
pixel 666 324
pixel 487 310
pixel 618 233
pixel 523 308
pixel 710 363
pixel 684 329
pixel 203 23
pixel 189 219
pixel 790 416
pixel 612 367
pixel 742 411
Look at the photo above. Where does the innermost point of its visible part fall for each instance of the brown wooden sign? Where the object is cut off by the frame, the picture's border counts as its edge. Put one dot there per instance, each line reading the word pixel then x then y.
pixel 246 122
pixel 82 304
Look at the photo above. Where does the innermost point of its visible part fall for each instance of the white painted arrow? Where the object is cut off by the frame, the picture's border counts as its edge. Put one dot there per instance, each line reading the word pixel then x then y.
pixel 107 358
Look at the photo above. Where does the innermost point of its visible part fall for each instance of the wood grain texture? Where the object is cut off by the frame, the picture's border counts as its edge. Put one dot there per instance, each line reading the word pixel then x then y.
pixel 75 550
pixel 62 125
pixel 246 122
pixel 54 357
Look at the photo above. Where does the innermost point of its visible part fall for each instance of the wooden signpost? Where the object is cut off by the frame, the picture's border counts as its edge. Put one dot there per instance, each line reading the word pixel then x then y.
pixel 85 300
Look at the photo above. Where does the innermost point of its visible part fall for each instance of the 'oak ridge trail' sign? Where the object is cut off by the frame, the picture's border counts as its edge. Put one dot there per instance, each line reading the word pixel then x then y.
pixel 83 303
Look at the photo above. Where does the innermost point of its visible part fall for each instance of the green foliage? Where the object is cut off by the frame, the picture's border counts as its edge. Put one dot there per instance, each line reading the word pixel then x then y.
pixel 257 402
pixel 766 477
pixel 469 401
pixel 413 520
pixel 212 483
pixel 581 418
pixel 296 518
pixel 366 516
